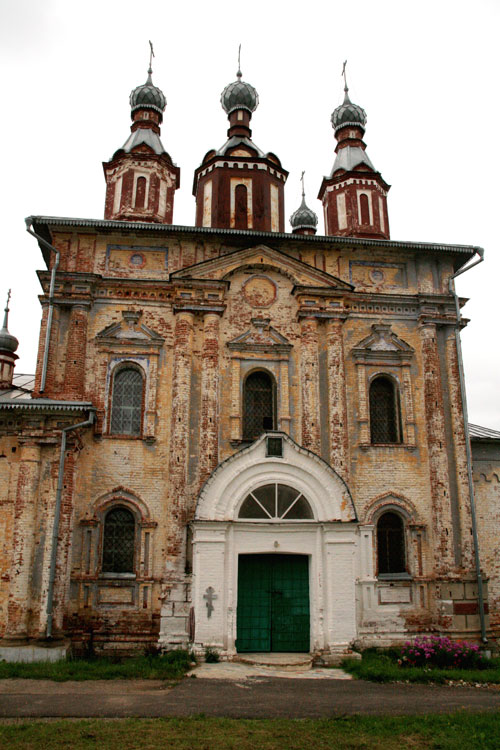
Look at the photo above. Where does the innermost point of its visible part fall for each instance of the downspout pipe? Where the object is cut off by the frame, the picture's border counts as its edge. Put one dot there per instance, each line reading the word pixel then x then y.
pixel 480 595
pixel 57 514
pixel 48 331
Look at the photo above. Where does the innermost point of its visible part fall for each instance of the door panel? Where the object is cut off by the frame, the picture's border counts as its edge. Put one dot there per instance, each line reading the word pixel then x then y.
pixel 273 603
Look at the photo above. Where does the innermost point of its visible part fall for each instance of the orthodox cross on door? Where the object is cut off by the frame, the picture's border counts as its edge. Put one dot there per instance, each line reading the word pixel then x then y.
pixel 210 596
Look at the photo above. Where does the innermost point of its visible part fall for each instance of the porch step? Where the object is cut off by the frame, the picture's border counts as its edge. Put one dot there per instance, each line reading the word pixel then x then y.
pixel 278 661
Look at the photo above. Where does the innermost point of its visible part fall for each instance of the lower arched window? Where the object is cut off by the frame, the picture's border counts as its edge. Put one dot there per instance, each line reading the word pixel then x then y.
pixel 385 421
pixel 118 544
pixel 391 557
pixel 258 405
pixel 126 402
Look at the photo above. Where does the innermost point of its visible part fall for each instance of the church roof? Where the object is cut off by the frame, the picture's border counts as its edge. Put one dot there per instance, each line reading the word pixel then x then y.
pixel 146 136
pixel 350 157
pixel 483 433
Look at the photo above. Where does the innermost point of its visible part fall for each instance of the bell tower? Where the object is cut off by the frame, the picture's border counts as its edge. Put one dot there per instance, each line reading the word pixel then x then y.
pixel 239 186
pixel 8 346
pixel 354 196
pixel 141 178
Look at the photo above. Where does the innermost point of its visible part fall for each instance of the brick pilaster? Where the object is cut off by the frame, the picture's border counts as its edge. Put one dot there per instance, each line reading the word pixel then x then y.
pixel 339 438
pixel 209 396
pixel 309 363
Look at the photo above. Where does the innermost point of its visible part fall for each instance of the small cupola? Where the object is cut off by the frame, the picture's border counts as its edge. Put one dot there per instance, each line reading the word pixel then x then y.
pixel 141 178
pixel 354 195
pixel 238 186
pixel 8 347
pixel 303 220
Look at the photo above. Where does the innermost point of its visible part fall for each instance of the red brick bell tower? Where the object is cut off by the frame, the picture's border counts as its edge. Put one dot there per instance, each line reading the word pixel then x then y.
pixel 141 178
pixel 354 196
pixel 238 186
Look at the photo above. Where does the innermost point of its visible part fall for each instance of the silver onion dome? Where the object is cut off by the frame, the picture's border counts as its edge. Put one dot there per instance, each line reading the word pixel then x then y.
pixel 239 95
pixel 8 342
pixel 148 96
pixel 348 114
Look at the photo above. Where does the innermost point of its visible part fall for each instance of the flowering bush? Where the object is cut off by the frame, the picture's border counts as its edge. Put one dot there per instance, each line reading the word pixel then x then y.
pixel 442 652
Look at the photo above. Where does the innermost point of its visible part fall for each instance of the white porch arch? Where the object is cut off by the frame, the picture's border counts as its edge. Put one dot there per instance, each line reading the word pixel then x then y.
pixel 329 541
pixel 223 493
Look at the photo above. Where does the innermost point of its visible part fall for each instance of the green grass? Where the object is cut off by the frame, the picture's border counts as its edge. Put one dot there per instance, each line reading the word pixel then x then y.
pixel 378 667
pixel 170 666
pixel 446 731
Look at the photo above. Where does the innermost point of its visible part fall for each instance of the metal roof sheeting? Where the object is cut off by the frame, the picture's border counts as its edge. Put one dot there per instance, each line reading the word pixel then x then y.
pixel 483 433
pixel 349 157
pixel 140 226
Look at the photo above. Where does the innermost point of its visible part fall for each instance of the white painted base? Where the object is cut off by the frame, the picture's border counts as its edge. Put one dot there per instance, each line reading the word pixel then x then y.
pixel 28 653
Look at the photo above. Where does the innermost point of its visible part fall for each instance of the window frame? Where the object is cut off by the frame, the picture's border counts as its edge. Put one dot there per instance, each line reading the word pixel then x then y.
pixel 116 574
pixel 274 399
pixel 396 414
pixel 118 369
pixel 275 519
pixel 393 575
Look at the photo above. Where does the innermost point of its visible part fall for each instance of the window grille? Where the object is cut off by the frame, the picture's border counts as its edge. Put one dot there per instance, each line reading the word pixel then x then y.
pixel 390 544
pixel 126 409
pixel 276 502
pixel 258 404
pixel 384 412
pixel 118 542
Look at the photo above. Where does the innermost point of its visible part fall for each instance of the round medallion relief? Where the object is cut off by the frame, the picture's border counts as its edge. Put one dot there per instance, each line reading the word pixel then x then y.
pixel 259 291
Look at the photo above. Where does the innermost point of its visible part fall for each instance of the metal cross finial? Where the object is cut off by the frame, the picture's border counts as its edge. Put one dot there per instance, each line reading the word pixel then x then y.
pixel 302 181
pixel 238 74
pixel 6 316
pixel 151 55
pixel 346 88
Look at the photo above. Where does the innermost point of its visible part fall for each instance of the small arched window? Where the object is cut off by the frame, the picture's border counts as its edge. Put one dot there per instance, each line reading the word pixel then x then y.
pixel 391 556
pixel 140 192
pixel 364 207
pixel 258 405
pixel 240 207
pixel 126 404
pixel 385 422
pixel 118 544
pixel 276 502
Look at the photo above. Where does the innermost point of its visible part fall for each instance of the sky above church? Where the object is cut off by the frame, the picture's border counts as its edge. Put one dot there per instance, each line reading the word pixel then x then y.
pixel 426 73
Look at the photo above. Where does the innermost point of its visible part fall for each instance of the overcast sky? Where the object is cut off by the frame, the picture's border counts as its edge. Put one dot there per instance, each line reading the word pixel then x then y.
pixel 426 73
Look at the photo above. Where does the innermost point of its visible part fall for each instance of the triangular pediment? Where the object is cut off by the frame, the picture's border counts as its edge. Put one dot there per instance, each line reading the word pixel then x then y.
pixel 382 339
pixel 259 337
pixel 261 258
pixel 128 330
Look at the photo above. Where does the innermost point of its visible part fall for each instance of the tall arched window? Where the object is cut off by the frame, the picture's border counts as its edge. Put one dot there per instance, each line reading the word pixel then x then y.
pixel 118 543
pixel 258 405
pixel 240 207
pixel 390 544
pixel 126 404
pixel 385 422
pixel 364 208
pixel 140 192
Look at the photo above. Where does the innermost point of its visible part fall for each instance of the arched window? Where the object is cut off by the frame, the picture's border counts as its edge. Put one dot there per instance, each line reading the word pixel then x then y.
pixel 140 192
pixel 240 207
pixel 118 544
pixel 385 422
pixel 126 405
pixel 390 544
pixel 258 405
pixel 364 208
pixel 276 502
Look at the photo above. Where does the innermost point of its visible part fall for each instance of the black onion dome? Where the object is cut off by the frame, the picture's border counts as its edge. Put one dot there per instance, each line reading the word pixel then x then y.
pixel 304 217
pixel 8 342
pixel 239 95
pixel 148 96
pixel 348 114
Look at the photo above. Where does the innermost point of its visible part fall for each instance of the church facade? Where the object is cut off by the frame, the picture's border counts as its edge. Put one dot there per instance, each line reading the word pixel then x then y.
pixel 239 436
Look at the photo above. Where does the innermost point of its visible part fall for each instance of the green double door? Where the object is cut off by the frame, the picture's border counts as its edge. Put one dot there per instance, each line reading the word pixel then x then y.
pixel 273 603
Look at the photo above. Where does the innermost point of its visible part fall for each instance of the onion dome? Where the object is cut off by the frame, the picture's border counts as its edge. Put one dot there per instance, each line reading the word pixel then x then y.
pixel 239 95
pixel 8 342
pixel 148 96
pixel 304 217
pixel 348 114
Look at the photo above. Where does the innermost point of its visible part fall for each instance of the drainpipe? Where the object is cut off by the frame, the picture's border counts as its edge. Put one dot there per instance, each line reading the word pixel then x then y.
pixel 51 299
pixel 57 514
pixel 480 252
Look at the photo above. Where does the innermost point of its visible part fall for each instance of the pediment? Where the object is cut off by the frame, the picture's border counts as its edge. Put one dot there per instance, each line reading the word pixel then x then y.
pixel 382 341
pixel 261 258
pixel 129 330
pixel 261 336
